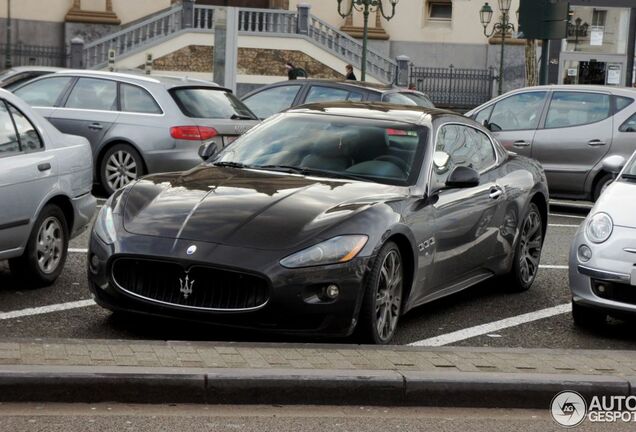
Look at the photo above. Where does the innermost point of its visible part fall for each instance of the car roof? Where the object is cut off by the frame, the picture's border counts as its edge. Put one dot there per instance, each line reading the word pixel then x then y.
pixel 166 81
pixel 580 87
pixel 377 111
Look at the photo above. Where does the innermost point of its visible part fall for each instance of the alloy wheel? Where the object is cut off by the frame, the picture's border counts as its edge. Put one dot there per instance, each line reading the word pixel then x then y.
pixel 531 245
pixel 388 299
pixel 121 169
pixel 50 244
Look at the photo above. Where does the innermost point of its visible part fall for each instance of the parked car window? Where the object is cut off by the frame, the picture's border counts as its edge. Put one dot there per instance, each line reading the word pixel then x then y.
pixel 273 100
pixel 407 99
pixel 517 112
pixel 629 125
pixel 577 108
pixel 327 94
pixel 623 102
pixel 137 100
pixel 9 144
pixel 44 92
pixel 459 145
pixel 484 114
pixel 210 103
pixel 29 138
pixel 93 94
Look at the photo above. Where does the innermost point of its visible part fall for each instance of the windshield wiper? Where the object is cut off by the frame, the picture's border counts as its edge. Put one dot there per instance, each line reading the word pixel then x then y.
pixel 629 176
pixel 241 117
pixel 312 171
pixel 231 165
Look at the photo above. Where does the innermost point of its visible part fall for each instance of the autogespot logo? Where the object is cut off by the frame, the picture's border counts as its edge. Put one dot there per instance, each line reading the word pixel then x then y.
pixel 568 409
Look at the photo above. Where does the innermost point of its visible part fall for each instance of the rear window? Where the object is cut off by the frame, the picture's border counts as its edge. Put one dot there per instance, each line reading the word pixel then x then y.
pixel 210 103
pixel 408 99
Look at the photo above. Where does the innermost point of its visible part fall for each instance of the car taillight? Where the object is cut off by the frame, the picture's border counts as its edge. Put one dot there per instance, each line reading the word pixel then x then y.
pixel 193 133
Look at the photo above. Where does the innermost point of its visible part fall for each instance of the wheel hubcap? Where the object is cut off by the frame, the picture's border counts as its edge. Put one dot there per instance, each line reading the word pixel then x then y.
pixel 50 244
pixel 121 169
pixel 388 299
pixel 531 244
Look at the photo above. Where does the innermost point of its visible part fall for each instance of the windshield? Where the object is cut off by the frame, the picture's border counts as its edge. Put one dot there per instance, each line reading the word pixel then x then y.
pixel 210 103
pixel 330 146
pixel 408 98
pixel 630 169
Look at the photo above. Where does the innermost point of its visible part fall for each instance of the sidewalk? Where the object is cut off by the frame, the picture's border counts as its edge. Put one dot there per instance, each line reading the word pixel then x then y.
pixel 201 372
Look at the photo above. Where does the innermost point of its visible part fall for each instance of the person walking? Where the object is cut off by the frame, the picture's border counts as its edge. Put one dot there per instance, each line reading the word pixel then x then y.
pixel 291 71
pixel 350 75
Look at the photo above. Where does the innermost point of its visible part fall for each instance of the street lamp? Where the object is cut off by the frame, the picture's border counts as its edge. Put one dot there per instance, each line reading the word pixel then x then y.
pixel 367 6
pixel 503 26
pixel 7 54
pixel 578 29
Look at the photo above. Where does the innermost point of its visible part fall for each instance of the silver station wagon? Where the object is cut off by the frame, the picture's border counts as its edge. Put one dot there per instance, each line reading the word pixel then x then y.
pixel 138 124
pixel 45 191
pixel 569 129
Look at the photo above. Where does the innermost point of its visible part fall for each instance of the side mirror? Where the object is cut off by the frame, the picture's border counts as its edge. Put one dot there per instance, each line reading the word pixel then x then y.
pixel 614 164
pixel 462 177
pixel 208 149
pixel 492 127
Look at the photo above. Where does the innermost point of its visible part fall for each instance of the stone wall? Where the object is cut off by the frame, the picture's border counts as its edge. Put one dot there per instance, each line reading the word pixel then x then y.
pixel 251 61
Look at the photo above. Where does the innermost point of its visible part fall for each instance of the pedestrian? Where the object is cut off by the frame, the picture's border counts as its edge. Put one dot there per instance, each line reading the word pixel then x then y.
pixel 291 71
pixel 350 75
pixel 412 86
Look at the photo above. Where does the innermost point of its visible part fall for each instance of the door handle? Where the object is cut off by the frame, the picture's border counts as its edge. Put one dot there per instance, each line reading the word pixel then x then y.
pixel 521 143
pixel 44 166
pixel 95 126
pixel 596 143
pixel 496 192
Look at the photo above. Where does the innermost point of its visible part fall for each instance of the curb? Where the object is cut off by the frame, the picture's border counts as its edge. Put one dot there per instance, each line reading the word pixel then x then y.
pixel 296 387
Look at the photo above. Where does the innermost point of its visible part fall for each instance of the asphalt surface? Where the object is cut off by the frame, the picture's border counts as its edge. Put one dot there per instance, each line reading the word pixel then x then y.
pixel 141 418
pixel 485 303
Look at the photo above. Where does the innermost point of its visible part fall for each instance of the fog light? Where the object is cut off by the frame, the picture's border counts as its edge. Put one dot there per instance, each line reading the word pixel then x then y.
pixel 601 288
pixel 94 263
pixel 332 292
pixel 585 253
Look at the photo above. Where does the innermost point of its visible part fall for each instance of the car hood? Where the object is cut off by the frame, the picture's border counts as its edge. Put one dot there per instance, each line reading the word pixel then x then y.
pixel 246 208
pixel 618 201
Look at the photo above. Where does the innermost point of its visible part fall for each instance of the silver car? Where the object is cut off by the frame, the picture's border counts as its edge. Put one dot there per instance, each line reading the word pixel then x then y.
pixel 45 191
pixel 569 129
pixel 603 254
pixel 138 124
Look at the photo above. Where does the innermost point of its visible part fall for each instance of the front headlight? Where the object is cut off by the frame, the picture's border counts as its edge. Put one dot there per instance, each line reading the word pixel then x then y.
pixel 334 251
pixel 599 227
pixel 105 225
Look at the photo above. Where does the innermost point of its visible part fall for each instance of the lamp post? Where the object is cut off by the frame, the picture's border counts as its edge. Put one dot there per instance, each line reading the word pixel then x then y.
pixel 366 7
pixel 503 26
pixel 578 29
pixel 7 56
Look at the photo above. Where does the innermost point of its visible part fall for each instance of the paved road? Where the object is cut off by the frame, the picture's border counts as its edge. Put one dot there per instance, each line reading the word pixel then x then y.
pixel 482 304
pixel 142 418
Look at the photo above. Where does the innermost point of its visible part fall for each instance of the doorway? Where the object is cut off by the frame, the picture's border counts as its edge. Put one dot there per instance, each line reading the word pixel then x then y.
pixel 592 72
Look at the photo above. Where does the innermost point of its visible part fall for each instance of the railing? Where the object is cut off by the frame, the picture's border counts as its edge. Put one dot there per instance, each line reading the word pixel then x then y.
pixel 33 55
pixel 131 38
pixel 204 17
pixel 267 21
pixel 454 88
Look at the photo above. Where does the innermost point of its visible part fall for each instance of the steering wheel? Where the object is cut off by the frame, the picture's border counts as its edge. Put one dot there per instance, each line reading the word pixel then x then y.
pixel 396 161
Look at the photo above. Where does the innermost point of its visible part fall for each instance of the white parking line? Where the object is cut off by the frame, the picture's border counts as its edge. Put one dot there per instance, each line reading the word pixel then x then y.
pixel 554 267
pixel 493 327
pixel 77 250
pixel 46 309
pixel 563 226
pixel 566 216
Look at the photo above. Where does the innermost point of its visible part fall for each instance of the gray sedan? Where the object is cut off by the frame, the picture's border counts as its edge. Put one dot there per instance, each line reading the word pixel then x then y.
pixel 45 191
pixel 603 254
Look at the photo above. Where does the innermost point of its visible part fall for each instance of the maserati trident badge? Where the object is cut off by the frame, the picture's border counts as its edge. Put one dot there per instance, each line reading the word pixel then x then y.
pixel 186 286
pixel 191 250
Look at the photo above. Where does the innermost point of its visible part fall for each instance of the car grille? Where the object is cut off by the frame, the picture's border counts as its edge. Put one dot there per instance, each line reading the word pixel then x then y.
pixel 206 288
pixel 618 292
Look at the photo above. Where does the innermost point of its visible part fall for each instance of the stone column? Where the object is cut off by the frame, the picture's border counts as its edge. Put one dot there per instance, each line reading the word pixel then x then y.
pixel 187 17
pixel 226 47
pixel 303 18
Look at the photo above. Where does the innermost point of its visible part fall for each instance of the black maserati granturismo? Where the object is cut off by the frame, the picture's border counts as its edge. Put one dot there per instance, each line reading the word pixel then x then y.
pixel 327 219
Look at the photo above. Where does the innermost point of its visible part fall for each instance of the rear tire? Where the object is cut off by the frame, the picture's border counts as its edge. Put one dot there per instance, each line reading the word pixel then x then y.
pixel 601 184
pixel 588 318
pixel 382 303
pixel 525 266
pixel 120 165
pixel 46 250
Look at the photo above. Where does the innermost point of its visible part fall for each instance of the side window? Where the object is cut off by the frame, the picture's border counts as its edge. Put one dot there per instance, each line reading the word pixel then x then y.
pixel 9 144
pixel 29 138
pixel 483 114
pixel 577 108
pixel 137 100
pixel 326 94
pixel 518 112
pixel 271 101
pixel 623 102
pixel 629 125
pixel 45 92
pixel 459 145
pixel 93 94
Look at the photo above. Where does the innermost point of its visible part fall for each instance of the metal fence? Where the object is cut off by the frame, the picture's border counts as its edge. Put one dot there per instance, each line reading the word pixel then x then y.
pixel 453 87
pixel 33 55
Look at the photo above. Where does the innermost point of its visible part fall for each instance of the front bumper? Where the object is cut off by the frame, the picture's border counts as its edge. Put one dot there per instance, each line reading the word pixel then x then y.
pixel 84 209
pixel 292 307
pixel 606 281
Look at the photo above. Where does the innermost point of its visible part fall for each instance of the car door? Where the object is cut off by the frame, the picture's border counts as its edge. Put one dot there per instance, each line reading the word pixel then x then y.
pixel 27 173
pixel 466 223
pixel 90 110
pixel 44 94
pixel 272 100
pixel 514 120
pixel 576 134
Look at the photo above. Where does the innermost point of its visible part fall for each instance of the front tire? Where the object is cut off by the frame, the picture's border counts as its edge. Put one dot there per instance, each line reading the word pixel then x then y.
pixel 45 254
pixel 601 185
pixel 382 304
pixel 525 266
pixel 120 165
